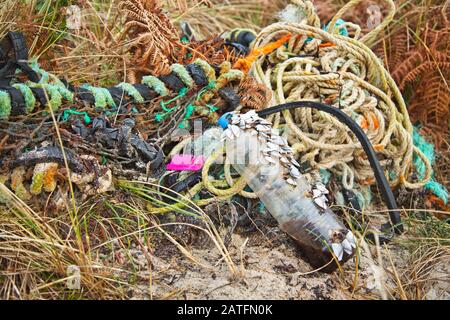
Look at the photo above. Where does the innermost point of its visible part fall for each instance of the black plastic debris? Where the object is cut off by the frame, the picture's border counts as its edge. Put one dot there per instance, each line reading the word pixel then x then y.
pixel 173 82
pixel 49 154
pixel 119 96
pixel 177 185
pixel 13 56
pixel 231 98
pixel 122 139
pixel 197 74
pixel 237 48
pixel 18 106
pixel 242 37
pixel 39 94
pixel 147 93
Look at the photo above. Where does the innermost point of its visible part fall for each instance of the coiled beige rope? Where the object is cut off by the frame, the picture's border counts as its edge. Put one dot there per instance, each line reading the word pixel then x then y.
pixel 339 70
pixel 342 71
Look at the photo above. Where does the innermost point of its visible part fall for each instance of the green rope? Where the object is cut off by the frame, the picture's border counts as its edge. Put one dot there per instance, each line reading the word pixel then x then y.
pixel 65 93
pixel 428 150
pixel 30 100
pixel 325 175
pixel 54 87
pixel 189 111
pixel 211 85
pixel 44 75
pixel 57 91
pixel 207 68
pixel 156 84
pixel 340 25
pixel 131 91
pixel 181 94
pixel 5 104
pixel 183 74
pixel 102 96
pixel 52 91
pixel 68 112
pixel 232 75
pixel 161 116
pixel 211 108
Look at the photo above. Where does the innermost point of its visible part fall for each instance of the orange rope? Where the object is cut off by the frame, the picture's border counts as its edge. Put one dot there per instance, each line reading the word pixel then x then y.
pixel 245 64
pixel 326 45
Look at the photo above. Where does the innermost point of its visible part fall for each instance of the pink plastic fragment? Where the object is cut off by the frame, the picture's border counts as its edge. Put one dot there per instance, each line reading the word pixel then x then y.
pixel 186 162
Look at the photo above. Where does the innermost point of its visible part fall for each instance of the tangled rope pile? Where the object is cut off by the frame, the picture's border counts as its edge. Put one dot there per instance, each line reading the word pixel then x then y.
pixel 340 70
pixel 327 65
pixel 296 61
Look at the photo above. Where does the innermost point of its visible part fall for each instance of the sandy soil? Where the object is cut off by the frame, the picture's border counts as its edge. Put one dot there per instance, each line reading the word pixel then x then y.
pixel 267 270
pixel 269 265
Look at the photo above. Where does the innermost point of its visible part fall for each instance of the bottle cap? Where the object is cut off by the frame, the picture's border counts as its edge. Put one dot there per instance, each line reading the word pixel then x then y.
pixel 223 120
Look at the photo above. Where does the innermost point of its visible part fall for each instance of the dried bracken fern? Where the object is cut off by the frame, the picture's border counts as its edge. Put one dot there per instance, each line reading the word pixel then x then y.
pixel 393 53
pixel 209 50
pixel 426 70
pixel 153 37
pixel 431 106
pixel 155 43
pixel 416 51
pixel 254 95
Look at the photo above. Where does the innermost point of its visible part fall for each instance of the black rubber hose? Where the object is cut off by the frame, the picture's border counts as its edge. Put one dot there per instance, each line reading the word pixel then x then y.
pixel 382 182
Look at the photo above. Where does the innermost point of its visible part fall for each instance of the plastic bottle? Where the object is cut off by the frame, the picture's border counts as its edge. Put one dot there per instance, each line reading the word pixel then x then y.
pixel 206 144
pixel 299 207
pixel 197 151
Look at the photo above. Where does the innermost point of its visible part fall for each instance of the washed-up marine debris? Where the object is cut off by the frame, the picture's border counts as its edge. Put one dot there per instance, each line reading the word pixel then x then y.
pixel 210 86
pixel 274 148
pixel 266 162
pixel 156 43
pixel 49 154
pixel 333 65
pixel 298 203
pixel 22 98
pixel 170 86
pixel 40 170
pixel 121 140
pixel 197 83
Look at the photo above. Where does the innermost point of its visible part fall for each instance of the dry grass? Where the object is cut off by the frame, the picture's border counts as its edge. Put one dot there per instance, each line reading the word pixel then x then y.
pixel 96 53
pixel 222 16
pixel 427 243
pixel 36 250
